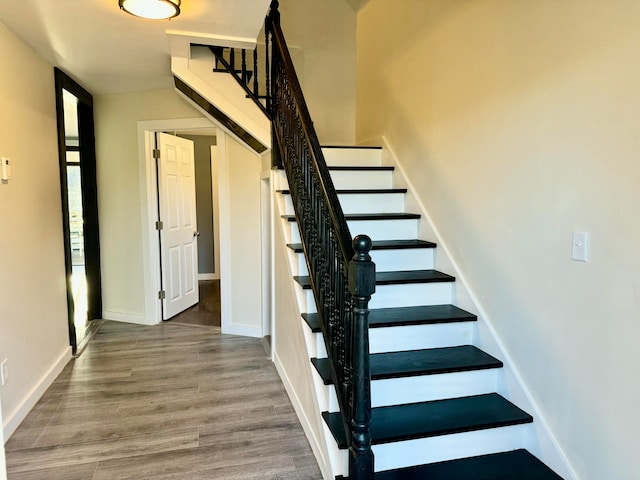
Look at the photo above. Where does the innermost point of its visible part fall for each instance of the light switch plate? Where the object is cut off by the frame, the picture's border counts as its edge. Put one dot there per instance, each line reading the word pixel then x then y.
pixel 580 246
pixel 5 169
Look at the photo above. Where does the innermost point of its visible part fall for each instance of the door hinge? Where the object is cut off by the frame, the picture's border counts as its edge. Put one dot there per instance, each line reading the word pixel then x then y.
pixel 159 225
pixel 162 295
pixel 156 153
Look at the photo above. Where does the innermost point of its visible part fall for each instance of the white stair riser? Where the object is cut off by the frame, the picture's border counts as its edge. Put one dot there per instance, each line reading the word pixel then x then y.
pixel 388 260
pixel 385 229
pixel 362 203
pixel 423 388
pixel 416 337
pixel 299 265
pixel 396 391
pixel 438 449
pixel 314 342
pixel 355 179
pixel 359 179
pixel 411 337
pixel 405 295
pixel 412 294
pixel 448 447
pixel 351 157
pixel 375 229
pixel 328 399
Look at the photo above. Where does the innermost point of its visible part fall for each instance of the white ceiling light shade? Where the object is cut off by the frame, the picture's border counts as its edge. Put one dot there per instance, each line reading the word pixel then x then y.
pixel 152 9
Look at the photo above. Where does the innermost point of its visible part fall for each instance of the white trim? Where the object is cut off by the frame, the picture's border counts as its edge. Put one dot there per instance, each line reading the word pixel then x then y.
pixel 215 209
pixel 266 244
pixel 180 41
pixel 208 276
pixel 148 208
pixel 272 255
pixel 224 216
pixel 136 318
pixel 323 463
pixel 560 463
pixel 15 418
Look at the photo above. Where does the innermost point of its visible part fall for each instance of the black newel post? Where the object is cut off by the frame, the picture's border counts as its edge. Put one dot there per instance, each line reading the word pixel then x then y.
pixel 362 284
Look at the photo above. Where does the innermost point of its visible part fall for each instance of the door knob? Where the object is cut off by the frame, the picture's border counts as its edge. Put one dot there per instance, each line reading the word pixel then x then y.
pixel 196 234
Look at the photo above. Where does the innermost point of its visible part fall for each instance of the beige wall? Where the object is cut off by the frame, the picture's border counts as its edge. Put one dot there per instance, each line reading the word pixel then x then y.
pixel 325 34
pixel 518 121
pixel 33 312
pixel 116 118
pixel 239 171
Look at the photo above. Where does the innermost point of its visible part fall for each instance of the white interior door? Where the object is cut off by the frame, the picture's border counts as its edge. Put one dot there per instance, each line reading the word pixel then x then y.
pixel 179 232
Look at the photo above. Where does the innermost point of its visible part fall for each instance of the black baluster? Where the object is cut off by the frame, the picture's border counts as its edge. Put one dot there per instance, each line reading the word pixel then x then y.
pixel 255 73
pixel 232 59
pixel 244 66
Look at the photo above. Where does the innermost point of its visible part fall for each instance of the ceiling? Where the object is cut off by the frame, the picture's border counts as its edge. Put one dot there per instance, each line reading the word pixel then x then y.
pixel 109 51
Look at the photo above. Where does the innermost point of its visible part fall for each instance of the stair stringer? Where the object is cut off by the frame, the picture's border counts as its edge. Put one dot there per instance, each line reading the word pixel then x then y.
pixel 221 90
pixel 539 439
pixel 293 347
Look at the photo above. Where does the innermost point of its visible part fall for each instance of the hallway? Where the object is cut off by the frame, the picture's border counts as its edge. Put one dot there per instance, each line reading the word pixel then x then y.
pixel 167 402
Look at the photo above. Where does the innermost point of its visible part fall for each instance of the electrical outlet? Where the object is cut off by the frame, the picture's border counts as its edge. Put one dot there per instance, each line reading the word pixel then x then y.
pixel 4 371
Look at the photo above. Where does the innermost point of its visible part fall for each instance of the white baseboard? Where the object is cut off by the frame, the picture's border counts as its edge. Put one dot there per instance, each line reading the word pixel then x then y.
pixel 15 418
pixel 208 276
pixel 127 318
pixel 323 463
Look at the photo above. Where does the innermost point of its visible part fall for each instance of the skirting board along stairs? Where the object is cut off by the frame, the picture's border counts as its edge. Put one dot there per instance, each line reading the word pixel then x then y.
pixel 436 414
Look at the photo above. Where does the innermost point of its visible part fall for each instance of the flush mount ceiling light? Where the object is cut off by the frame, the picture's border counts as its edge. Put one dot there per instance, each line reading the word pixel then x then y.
pixel 152 9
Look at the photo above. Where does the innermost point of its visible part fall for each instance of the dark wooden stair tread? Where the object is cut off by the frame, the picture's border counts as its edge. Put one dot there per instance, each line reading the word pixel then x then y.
pixel 353 191
pixel 365 168
pixel 353 147
pixel 517 464
pixel 420 362
pixel 369 216
pixel 401 316
pixel 395 278
pixel 429 419
pixel 383 245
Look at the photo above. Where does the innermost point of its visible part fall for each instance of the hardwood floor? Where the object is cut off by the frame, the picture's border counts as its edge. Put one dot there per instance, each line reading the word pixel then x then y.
pixel 170 402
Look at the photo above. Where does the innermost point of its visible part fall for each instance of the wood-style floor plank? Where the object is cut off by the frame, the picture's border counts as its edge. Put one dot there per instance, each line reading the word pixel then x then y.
pixel 168 402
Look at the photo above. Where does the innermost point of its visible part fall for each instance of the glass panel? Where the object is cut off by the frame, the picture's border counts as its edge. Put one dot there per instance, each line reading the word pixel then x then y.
pixel 73 157
pixel 76 240
pixel 70 119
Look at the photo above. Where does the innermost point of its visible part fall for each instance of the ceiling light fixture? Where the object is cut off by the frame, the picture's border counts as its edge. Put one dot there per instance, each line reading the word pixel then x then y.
pixel 152 9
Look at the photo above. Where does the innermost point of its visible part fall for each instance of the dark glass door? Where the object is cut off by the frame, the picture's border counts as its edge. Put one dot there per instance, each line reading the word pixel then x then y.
pixel 76 143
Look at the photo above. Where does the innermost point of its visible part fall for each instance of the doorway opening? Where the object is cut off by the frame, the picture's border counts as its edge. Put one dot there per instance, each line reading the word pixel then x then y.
pixel 207 311
pixel 147 130
pixel 77 158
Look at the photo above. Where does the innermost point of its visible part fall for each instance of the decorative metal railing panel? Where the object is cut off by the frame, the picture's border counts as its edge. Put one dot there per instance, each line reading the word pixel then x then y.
pixel 341 272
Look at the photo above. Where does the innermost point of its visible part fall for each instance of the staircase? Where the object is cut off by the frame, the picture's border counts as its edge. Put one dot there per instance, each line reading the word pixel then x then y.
pixel 436 414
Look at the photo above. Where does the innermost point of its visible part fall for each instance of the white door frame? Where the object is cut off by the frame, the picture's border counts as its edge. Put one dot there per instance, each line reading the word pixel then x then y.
pixel 149 207
pixel 267 240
